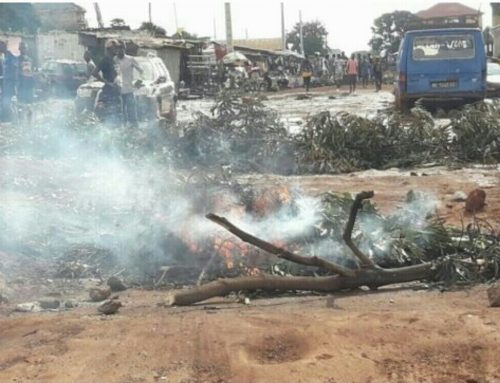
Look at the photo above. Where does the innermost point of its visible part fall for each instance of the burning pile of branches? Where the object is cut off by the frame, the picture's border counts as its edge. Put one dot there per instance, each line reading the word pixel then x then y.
pixel 352 245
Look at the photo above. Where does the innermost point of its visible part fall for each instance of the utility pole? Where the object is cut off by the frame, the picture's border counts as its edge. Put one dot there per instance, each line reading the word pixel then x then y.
pixel 175 16
pixel 301 33
pixel 215 30
pixel 229 28
pixel 283 37
pixel 150 18
pixel 98 15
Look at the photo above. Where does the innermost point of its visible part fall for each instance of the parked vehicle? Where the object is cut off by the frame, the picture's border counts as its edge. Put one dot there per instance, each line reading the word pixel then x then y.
pixel 61 77
pixel 493 79
pixel 155 93
pixel 441 64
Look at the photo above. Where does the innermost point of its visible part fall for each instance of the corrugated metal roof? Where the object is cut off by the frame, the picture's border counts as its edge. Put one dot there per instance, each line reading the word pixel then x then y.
pixel 142 39
pixel 448 10
pixel 272 44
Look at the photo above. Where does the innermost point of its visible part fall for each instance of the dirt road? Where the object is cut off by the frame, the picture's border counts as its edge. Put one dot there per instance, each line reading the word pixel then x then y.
pixel 390 336
pixel 394 335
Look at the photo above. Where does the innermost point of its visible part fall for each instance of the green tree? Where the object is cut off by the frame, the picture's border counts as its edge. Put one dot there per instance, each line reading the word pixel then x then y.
pixel 18 17
pixel 389 29
pixel 182 34
pixel 118 23
pixel 315 38
pixel 154 29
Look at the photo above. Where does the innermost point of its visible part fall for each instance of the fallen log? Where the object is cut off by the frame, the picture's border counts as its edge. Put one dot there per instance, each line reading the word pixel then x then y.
pixel 369 274
pixel 372 278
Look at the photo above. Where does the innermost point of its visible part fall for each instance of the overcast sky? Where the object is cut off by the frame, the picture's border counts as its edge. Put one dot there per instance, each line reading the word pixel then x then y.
pixel 347 21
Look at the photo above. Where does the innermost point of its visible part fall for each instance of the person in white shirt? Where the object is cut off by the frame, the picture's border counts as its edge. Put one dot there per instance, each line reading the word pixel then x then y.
pixel 127 65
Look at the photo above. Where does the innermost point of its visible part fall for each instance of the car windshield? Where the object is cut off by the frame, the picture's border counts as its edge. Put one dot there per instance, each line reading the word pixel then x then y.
pixel 493 69
pixel 148 71
pixel 443 47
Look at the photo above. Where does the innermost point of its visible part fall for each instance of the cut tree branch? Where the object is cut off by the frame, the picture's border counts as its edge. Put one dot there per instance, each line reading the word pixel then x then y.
pixel 365 277
pixel 281 253
pixel 356 205
pixel 371 275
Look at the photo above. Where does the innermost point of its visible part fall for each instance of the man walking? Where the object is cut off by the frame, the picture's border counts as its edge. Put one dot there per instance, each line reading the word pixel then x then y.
pixel 9 70
pixel 127 65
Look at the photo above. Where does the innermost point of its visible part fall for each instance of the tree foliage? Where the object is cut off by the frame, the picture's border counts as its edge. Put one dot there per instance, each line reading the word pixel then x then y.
pixel 388 30
pixel 315 38
pixel 18 17
pixel 118 23
pixel 182 34
pixel 154 29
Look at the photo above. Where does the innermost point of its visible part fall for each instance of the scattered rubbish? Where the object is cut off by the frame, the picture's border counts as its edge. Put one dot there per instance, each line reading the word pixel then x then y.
pixel 303 97
pixel 116 284
pixel 475 201
pixel 49 304
pixel 459 196
pixel 70 304
pixel 494 295
pixel 98 294
pixel 28 307
pixel 3 299
pixel 110 307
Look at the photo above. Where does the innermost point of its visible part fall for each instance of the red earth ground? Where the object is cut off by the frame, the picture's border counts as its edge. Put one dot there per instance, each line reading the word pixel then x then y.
pixel 394 335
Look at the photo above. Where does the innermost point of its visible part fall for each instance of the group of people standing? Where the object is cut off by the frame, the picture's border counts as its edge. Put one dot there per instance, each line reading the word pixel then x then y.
pixel 341 69
pixel 17 78
pixel 116 71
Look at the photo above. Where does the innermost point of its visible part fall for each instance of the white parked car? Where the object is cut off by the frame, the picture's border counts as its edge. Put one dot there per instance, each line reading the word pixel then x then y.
pixel 493 79
pixel 155 93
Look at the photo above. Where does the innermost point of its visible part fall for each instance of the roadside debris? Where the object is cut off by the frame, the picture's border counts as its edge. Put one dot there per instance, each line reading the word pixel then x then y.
pixel 28 307
pixel 98 294
pixel 241 132
pixel 111 306
pixel 116 284
pixel 475 201
pixel 85 261
pixel 3 299
pixel 459 196
pixel 494 295
pixel 49 304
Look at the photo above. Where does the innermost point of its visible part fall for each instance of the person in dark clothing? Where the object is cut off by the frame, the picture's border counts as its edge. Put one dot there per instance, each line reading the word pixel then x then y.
pixel 365 72
pixel 377 73
pixel 107 72
pixel 26 80
pixel 306 70
pixel 9 71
